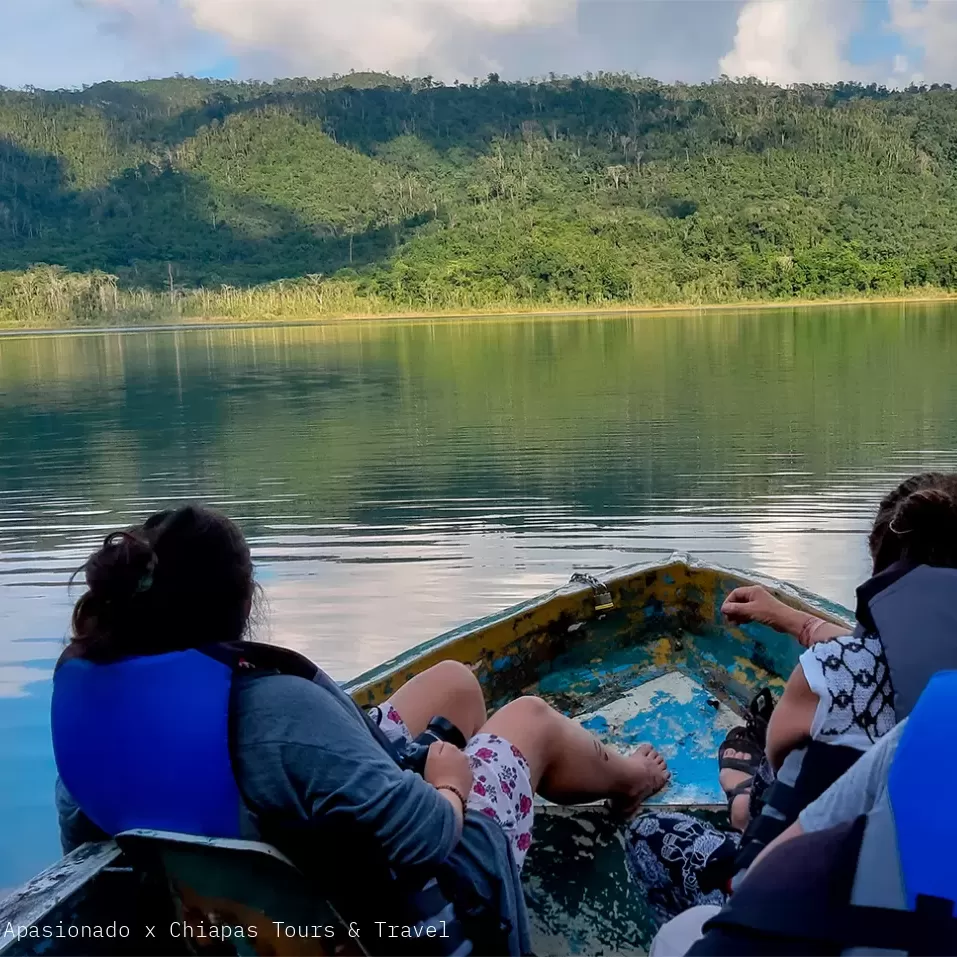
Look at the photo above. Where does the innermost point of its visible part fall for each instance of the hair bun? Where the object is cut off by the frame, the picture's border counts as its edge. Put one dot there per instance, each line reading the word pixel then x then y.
pixel 928 512
pixel 122 568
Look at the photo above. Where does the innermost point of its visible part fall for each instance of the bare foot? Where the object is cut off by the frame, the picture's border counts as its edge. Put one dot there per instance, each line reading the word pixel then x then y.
pixel 729 778
pixel 651 774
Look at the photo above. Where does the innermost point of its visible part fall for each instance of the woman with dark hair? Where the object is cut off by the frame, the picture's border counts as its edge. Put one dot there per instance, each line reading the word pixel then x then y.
pixel 166 716
pixel 846 693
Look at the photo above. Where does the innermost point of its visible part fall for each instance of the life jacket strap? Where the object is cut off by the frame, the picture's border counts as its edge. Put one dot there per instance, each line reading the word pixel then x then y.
pixel 821 765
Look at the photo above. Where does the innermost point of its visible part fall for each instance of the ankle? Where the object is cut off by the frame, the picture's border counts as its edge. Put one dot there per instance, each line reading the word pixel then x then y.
pixel 740 813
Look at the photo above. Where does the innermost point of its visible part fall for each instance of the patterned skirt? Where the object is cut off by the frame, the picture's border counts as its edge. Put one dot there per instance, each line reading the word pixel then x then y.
pixel 679 861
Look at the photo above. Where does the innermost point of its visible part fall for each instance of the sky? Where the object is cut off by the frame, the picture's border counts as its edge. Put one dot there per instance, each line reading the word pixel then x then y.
pixel 68 43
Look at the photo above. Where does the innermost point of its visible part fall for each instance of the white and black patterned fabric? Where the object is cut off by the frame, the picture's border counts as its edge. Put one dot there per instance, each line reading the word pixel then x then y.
pixel 679 861
pixel 851 677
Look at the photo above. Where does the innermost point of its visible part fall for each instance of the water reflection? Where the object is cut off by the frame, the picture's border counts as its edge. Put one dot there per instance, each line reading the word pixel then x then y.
pixel 396 480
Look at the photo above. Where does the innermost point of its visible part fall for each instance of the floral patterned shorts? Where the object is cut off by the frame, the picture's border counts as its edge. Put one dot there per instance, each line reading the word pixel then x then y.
pixel 501 781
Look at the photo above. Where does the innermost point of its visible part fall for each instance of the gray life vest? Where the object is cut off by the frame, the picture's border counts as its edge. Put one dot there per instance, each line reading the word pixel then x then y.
pixel 913 611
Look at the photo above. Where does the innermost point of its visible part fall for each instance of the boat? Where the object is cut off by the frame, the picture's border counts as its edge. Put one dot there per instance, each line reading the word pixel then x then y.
pixel 639 654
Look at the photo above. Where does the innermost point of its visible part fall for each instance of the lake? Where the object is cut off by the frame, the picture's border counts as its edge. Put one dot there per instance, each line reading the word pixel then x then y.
pixel 397 479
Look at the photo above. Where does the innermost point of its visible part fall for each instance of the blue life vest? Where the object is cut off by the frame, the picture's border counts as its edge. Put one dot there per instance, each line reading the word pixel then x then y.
pixel 922 787
pixel 808 896
pixel 144 742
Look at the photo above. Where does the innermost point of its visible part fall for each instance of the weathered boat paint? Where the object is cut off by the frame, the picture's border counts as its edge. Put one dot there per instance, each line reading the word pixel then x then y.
pixel 51 890
pixel 514 648
pixel 686 724
pixel 661 665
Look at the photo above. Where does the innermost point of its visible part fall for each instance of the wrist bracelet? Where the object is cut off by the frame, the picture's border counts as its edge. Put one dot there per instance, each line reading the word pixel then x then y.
pixel 809 630
pixel 454 790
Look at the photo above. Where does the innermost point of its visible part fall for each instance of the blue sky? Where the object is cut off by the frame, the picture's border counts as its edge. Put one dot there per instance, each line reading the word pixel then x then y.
pixel 65 43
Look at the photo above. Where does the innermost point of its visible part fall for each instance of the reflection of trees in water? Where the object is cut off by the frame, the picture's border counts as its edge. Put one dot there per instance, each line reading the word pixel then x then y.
pixel 650 413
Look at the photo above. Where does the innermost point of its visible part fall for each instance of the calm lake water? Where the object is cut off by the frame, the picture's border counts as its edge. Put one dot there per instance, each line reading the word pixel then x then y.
pixel 396 480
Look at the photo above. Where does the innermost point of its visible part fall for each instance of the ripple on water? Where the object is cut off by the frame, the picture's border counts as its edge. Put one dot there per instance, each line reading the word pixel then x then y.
pixel 397 480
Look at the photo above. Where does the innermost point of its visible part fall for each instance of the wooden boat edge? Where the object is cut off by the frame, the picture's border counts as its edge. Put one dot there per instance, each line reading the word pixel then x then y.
pixel 460 643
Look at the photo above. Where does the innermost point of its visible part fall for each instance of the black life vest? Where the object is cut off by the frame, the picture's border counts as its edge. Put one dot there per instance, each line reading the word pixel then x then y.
pixel 885 881
pixel 912 610
pixel 145 742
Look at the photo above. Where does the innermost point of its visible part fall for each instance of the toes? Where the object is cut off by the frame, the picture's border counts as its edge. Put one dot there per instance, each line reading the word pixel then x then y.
pixel 656 765
pixel 646 750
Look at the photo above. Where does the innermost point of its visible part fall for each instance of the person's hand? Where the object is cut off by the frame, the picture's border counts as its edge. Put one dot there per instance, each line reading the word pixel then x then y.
pixel 446 764
pixel 754 603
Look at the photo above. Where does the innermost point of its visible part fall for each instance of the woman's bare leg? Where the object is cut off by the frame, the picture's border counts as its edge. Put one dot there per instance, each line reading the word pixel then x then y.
pixel 569 765
pixel 448 689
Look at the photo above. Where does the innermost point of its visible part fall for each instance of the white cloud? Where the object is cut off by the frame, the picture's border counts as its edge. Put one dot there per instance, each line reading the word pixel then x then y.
pixel 793 41
pixel 454 38
pixel 52 43
pixel 931 27
pixel 446 37
pixel 68 42
pixel 901 65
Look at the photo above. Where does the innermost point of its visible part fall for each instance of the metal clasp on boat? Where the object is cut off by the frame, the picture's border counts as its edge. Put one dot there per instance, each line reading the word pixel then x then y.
pixel 603 599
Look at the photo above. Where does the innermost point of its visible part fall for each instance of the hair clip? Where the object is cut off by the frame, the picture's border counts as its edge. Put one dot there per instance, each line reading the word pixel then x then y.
pixel 146 582
pixel 898 531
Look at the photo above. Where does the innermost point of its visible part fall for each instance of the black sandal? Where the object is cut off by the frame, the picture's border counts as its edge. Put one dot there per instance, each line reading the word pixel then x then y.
pixel 758 715
pixel 751 738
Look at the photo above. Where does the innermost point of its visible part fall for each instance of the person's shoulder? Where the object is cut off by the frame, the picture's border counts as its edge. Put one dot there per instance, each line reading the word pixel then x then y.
pixel 281 707
pixel 889 741
pixel 274 688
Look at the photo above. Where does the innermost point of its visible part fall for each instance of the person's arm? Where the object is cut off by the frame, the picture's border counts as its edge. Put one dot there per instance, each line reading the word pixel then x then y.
pixel 792 718
pixel 414 823
pixel 301 754
pixel 448 770
pixel 754 603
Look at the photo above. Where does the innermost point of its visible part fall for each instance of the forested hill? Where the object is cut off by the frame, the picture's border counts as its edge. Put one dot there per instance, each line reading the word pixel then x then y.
pixel 413 195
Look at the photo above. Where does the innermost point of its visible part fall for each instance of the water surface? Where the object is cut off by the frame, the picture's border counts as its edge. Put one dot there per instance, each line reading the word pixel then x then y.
pixel 396 480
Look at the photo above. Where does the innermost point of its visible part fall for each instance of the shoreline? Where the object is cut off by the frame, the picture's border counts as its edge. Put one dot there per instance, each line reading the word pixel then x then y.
pixel 604 311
